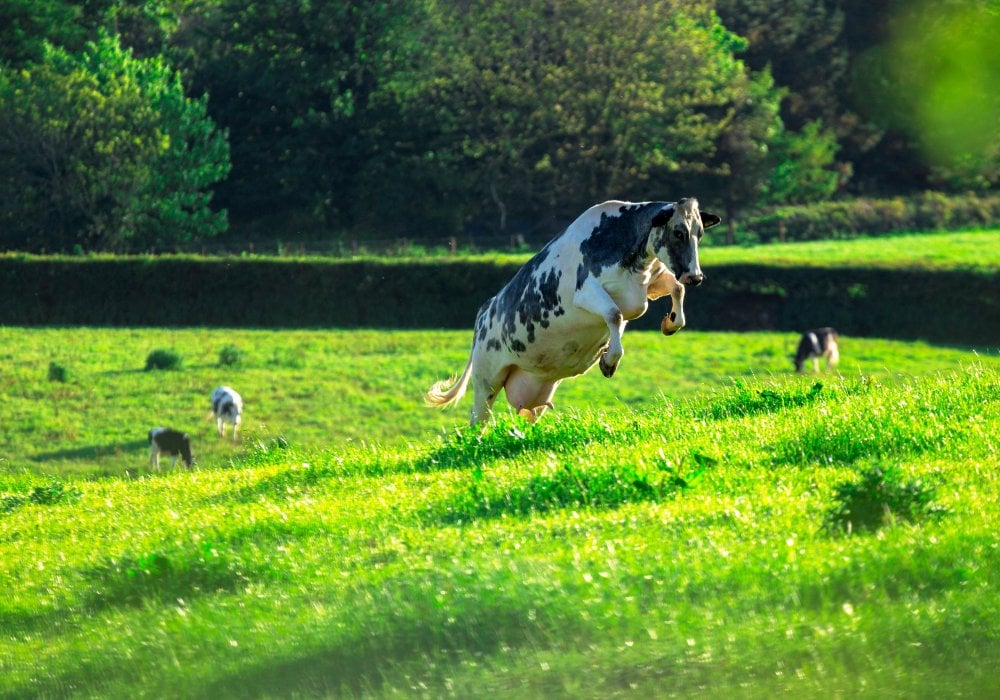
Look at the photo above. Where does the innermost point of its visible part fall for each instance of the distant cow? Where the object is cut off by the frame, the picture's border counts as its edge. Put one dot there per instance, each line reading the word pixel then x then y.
pixel 815 344
pixel 227 407
pixel 169 442
pixel 566 309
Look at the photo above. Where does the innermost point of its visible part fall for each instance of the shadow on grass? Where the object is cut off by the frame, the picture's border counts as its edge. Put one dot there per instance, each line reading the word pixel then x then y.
pixel 360 662
pixel 89 452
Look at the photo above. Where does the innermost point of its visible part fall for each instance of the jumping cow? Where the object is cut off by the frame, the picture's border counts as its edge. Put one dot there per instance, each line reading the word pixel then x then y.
pixel 566 309
pixel 169 442
pixel 821 342
pixel 227 407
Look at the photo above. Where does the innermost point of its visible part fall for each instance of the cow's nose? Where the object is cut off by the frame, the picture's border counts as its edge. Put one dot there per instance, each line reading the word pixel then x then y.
pixel 692 280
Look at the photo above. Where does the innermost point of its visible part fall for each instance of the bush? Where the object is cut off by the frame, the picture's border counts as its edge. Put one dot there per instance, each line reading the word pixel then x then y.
pixel 878 498
pixel 104 151
pixel 930 211
pixel 58 373
pixel 230 356
pixel 163 359
pixel 52 493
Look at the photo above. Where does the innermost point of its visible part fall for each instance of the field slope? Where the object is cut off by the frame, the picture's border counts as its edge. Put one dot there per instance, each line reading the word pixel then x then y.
pixel 828 538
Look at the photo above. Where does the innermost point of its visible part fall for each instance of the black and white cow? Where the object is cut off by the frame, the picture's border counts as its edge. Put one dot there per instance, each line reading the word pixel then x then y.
pixel 566 309
pixel 227 407
pixel 814 344
pixel 169 442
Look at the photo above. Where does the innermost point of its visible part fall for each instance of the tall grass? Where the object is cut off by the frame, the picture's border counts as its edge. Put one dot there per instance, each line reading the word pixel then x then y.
pixel 679 548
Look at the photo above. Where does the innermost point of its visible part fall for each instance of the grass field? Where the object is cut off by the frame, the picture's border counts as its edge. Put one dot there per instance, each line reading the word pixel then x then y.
pixel 965 250
pixel 780 537
pixel 706 523
pixel 323 389
pixel 955 250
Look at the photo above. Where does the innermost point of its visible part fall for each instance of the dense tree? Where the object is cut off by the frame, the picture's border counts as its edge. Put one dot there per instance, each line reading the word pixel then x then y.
pixel 418 117
pixel 534 115
pixel 102 150
pixel 292 82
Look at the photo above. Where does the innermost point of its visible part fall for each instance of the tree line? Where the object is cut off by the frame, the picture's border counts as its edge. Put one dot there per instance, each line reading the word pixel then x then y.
pixel 129 125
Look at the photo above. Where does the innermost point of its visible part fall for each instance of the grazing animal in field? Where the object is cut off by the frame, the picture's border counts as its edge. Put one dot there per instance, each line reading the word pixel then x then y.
pixel 169 442
pixel 227 407
pixel 566 309
pixel 814 344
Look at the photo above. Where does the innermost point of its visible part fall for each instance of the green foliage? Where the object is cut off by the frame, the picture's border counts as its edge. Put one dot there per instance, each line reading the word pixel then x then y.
pixel 553 119
pixel 104 151
pixel 802 166
pixel 163 359
pixel 58 373
pixel 53 492
pixel 927 80
pixel 880 496
pixel 230 356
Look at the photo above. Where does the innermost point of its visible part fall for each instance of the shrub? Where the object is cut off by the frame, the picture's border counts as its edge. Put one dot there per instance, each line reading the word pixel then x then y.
pixel 878 498
pixel 52 493
pixel 57 373
pixel 230 356
pixel 163 359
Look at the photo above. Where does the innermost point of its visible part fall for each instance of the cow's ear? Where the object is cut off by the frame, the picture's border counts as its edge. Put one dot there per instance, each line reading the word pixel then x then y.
pixel 662 217
pixel 708 220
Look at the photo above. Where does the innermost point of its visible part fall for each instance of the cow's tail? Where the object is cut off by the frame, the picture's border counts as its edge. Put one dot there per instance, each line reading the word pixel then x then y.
pixel 449 391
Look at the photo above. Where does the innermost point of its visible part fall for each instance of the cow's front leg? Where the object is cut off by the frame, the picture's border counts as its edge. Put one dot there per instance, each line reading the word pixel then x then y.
pixel 662 284
pixel 594 298
pixel 674 320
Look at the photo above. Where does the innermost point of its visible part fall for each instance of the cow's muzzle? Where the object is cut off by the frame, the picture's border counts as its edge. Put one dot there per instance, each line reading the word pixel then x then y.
pixel 690 279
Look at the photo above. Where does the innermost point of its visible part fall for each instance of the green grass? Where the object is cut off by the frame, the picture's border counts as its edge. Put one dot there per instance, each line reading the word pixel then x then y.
pixel 967 250
pixel 321 389
pixel 681 548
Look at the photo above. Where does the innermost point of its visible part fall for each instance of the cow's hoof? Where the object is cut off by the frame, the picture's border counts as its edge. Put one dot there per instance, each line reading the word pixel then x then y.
pixel 606 369
pixel 669 325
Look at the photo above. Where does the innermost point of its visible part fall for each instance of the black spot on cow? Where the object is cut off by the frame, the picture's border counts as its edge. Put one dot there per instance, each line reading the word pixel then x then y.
pixel 493 344
pixel 527 300
pixel 481 325
pixel 617 240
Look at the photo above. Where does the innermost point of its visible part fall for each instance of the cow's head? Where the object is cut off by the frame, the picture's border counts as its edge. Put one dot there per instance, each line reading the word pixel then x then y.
pixel 676 230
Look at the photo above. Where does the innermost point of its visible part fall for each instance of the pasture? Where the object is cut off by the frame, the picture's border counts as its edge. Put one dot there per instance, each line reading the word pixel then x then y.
pixel 780 536
pixel 322 389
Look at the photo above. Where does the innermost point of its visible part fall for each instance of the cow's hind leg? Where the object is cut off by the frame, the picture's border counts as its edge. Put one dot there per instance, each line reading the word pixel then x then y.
pixel 489 374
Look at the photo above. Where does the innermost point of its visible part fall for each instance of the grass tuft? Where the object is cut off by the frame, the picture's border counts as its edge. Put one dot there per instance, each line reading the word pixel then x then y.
pixel 230 356
pixel 879 497
pixel 163 359
pixel 52 493
pixel 165 575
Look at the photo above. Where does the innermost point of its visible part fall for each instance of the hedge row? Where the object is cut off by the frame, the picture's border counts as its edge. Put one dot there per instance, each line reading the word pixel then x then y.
pixel 945 307
pixel 931 211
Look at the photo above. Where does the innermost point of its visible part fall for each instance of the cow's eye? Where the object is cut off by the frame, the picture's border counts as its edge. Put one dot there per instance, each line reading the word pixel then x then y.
pixel 678 234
